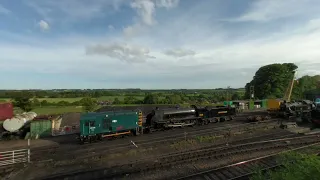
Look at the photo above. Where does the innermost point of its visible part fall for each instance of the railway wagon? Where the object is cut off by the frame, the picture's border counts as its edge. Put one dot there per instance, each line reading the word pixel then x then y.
pixel 96 126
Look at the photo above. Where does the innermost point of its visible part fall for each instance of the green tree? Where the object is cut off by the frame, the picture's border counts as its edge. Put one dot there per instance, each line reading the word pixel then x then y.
pixel 36 102
pixel 63 103
pixel 88 104
pixel 23 103
pixel 235 96
pixel 44 103
pixel 150 99
pixel 131 100
pixel 116 101
pixel 271 80
pixel 174 99
pixel 304 86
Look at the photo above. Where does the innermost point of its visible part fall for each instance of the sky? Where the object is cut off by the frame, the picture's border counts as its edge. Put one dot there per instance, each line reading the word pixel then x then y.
pixel 153 44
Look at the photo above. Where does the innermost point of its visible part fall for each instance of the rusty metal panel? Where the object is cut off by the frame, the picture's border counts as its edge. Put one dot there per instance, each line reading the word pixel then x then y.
pixel 6 111
pixel 66 124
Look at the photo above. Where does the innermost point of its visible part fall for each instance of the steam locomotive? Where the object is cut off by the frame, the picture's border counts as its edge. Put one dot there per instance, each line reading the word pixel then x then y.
pixel 299 111
pixel 169 118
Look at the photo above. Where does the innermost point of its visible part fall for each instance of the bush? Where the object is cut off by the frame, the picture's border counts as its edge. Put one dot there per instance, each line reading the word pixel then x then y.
pixel 296 167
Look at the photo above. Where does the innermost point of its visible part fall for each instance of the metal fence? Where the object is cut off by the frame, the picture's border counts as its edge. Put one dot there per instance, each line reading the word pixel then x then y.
pixel 14 157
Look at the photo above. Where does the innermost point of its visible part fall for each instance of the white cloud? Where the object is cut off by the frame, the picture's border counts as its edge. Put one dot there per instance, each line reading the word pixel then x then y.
pixel 43 25
pixel 206 46
pixel 4 10
pixel 179 52
pixel 266 10
pixel 146 10
pixel 167 3
pixel 132 30
pixel 121 51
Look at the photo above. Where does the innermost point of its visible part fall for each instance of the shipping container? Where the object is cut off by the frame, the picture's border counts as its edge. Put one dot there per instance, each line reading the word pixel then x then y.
pixel 226 103
pixel 41 128
pixel 6 111
pixel 273 104
pixel 264 103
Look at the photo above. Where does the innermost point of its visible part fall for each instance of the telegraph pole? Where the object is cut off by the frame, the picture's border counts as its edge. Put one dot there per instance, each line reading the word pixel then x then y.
pixel 251 96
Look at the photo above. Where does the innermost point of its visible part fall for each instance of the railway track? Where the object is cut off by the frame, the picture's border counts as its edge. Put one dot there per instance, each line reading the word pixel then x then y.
pixel 90 151
pixel 240 170
pixel 165 161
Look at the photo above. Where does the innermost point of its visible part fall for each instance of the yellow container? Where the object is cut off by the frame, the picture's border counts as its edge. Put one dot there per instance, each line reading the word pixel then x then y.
pixel 273 104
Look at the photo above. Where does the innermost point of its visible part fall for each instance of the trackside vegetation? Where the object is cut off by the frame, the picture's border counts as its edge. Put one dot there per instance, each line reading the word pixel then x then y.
pixel 296 166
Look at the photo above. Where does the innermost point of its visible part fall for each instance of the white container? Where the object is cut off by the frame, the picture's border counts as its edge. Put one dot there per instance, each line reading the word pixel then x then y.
pixel 17 122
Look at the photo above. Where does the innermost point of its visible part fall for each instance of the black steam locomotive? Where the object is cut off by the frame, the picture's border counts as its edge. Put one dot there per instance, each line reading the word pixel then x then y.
pixel 299 111
pixel 179 117
pixel 315 114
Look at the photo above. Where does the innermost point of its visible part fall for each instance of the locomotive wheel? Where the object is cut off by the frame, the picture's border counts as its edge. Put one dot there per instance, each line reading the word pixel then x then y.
pixel 100 137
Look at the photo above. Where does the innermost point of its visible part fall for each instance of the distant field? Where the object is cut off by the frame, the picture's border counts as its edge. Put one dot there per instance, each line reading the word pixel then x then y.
pixel 55 100
pixel 60 110
pixel 57 110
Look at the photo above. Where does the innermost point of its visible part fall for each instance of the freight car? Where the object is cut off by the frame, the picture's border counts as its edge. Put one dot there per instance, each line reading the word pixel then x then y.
pixel 96 126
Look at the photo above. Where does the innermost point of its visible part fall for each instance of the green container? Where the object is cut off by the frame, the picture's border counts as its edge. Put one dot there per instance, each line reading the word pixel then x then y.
pixel 108 122
pixel 40 128
pixel 264 103
pixel 226 103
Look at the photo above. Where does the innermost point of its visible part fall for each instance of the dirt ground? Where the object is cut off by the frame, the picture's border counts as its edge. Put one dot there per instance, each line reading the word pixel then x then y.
pixel 110 159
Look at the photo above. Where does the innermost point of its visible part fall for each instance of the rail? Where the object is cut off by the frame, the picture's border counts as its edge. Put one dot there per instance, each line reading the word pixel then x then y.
pixel 14 157
pixel 243 169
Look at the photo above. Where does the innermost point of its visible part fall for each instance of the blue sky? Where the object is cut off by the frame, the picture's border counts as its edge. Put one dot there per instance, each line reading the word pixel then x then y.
pixel 153 44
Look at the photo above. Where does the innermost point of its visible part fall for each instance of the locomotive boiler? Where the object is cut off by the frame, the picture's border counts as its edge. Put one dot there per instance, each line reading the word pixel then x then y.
pixel 169 118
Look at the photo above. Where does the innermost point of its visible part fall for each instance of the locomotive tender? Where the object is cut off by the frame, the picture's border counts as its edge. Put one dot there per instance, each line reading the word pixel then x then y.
pixel 96 126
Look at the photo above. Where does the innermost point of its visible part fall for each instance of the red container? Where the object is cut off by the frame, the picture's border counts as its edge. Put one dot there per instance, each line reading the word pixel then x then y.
pixel 6 111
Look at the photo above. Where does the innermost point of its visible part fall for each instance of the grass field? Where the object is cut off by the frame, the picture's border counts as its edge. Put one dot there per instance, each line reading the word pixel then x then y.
pixel 57 110
pixel 55 100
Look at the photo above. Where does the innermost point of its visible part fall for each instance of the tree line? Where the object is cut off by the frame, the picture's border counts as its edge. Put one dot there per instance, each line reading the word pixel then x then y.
pixel 89 103
pixel 96 93
pixel 273 80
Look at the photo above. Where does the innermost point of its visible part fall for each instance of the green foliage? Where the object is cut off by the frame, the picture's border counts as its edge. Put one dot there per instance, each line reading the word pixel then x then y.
pixel 306 87
pixel 131 100
pixel 151 99
pixel 23 103
pixel 88 104
pixel 296 167
pixel 116 101
pixel 271 80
